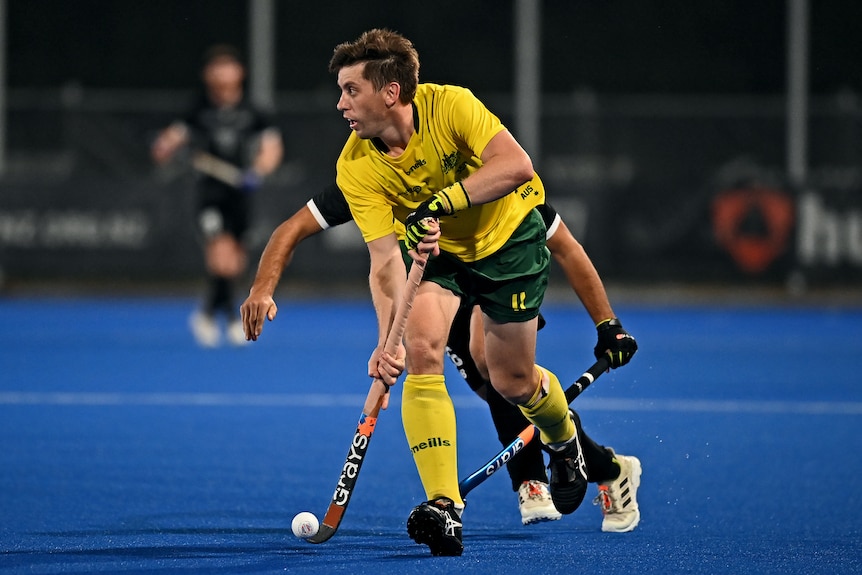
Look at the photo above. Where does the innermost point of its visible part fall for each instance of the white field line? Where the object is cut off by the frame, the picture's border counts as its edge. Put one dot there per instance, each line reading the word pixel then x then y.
pixel 461 401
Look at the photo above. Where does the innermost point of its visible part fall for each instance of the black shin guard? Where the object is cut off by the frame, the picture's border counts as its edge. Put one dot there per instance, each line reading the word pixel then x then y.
pixel 600 462
pixel 220 296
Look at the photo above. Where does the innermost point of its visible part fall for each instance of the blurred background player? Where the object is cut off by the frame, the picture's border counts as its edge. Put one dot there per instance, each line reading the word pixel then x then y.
pixel 465 348
pixel 226 131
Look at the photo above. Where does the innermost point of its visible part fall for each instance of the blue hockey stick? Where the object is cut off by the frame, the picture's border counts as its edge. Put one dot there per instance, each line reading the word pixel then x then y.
pixel 529 433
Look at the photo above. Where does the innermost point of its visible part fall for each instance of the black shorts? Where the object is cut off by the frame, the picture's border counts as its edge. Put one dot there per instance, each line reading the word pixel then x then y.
pixel 458 348
pixel 222 209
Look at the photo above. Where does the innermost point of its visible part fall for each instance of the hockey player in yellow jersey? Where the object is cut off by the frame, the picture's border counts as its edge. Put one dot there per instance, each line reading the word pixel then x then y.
pixel 431 166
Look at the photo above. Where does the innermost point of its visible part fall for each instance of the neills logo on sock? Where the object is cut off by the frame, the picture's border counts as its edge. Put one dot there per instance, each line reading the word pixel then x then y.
pixel 429 443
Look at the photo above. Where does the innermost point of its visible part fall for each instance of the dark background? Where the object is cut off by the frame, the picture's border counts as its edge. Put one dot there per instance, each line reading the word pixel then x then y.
pixel 651 112
pixel 613 46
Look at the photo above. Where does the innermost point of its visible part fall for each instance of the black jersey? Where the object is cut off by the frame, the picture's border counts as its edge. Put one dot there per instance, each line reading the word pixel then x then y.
pixel 230 134
pixel 330 209
pixel 227 133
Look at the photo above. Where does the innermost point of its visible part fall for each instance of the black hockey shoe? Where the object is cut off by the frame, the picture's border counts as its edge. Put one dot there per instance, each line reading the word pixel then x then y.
pixel 437 524
pixel 568 484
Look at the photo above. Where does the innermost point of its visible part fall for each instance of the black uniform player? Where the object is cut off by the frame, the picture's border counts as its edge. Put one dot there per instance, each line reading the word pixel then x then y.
pixel 234 146
pixel 527 471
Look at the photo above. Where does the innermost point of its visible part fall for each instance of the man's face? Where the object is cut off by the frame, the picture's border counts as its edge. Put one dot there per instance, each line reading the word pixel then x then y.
pixel 223 79
pixel 360 103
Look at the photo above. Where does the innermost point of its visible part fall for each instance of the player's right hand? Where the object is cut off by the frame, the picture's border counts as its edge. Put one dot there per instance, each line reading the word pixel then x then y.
pixel 390 368
pixel 253 310
pixel 419 223
pixel 386 367
pixel 427 244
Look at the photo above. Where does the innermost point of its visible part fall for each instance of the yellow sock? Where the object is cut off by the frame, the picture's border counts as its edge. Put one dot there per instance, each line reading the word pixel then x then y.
pixel 429 424
pixel 548 409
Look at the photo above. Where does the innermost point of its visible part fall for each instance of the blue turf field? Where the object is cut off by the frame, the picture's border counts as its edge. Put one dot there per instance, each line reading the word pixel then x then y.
pixel 126 449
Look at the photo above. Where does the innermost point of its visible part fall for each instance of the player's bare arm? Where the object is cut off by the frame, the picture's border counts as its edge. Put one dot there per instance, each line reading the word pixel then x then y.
pixel 269 154
pixel 168 142
pixel 613 340
pixel 505 166
pixel 276 256
pixel 580 273
pixel 386 281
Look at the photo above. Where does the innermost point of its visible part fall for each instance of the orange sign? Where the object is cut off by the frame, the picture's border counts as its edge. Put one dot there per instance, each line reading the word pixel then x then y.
pixel 753 225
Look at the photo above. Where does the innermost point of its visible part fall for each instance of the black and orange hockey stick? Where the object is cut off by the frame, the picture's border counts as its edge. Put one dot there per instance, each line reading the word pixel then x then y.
pixel 368 419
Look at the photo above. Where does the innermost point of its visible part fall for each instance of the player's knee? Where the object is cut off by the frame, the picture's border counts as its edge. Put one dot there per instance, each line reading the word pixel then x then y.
pixel 423 357
pixel 518 387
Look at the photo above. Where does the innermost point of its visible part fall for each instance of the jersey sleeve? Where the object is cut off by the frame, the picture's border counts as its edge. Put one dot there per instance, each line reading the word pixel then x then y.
pixel 329 207
pixel 473 123
pixel 369 205
pixel 550 217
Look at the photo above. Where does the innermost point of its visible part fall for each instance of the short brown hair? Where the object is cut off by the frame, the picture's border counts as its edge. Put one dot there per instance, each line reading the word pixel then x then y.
pixel 222 52
pixel 388 57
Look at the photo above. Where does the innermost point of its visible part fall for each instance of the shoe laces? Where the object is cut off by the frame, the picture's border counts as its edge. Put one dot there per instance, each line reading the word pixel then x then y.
pixel 452 521
pixel 451 526
pixel 604 499
pixel 534 489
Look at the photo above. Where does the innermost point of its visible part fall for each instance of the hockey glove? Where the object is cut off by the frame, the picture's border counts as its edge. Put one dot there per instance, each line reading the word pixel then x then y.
pixel 615 342
pixel 445 202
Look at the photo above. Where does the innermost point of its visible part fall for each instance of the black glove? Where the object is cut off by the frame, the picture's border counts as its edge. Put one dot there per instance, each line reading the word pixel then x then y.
pixel 445 202
pixel 416 226
pixel 615 342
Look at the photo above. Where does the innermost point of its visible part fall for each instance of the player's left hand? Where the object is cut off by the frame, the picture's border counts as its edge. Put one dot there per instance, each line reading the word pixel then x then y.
pixel 615 342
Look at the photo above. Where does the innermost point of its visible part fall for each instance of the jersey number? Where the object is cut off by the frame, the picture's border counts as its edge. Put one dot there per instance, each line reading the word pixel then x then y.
pixel 518 300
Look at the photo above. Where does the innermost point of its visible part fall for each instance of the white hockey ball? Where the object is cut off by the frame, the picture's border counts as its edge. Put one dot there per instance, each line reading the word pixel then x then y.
pixel 305 525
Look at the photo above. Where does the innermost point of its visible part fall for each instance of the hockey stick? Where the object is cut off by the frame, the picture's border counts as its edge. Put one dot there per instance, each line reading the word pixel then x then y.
pixel 368 419
pixel 217 168
pixel 529 433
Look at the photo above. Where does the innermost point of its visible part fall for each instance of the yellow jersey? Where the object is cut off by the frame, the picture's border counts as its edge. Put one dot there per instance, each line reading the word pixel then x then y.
pixel 452 128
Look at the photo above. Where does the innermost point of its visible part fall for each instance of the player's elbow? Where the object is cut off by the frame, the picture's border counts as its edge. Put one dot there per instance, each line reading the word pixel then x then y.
pixel 522 170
